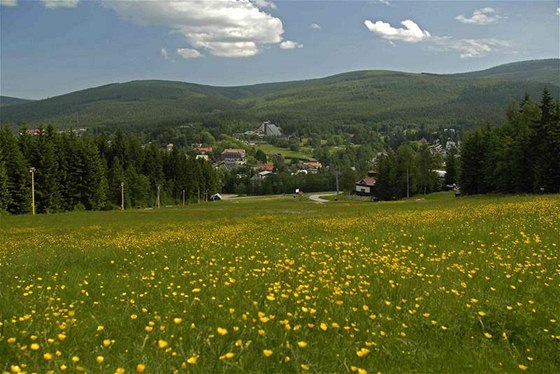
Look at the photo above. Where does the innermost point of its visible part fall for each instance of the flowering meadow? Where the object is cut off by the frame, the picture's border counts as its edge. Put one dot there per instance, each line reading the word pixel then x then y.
pixel 285 285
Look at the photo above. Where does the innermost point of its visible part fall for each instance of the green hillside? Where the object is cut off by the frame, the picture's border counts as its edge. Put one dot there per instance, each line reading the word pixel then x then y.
pixel 361 96
pixel 543 71
pixel 7 100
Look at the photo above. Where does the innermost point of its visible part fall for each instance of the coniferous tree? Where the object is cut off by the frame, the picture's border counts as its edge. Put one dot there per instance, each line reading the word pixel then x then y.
pixel 5 198
pixel 387 180
pixel 45 161
pixel 451 167
pixel 471 177
pixel 424 163
pixel 405 170
pixel 17 172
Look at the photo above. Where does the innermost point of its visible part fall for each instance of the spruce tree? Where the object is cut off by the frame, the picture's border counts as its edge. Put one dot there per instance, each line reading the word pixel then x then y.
pixel 45 161
pixel 5 198
pixel 17 170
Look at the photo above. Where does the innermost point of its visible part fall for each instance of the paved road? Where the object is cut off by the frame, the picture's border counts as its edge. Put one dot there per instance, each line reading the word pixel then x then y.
pixel 317 198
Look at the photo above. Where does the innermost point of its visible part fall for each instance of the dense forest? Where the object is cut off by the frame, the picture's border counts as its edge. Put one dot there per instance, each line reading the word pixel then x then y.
pixel 87 173
pixel 520 156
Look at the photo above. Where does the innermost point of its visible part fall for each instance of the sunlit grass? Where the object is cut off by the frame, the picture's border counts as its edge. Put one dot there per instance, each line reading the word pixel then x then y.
pixel 285 285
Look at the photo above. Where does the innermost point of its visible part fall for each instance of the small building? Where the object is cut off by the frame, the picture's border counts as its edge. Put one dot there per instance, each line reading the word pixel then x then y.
pixel 203 150
pixel 365 186
pixel 264 174
pixel 312 166
pixel 216 197
pixel 266 167
pixel 202 157
pixel 233 155
pixel 269 129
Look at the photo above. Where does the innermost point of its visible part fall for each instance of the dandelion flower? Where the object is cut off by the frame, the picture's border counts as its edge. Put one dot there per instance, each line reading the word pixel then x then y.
pixel 34 346
pixel 487 335
pixel 267 352
pixel 47 356
pixel 227 356
pixel 362 352
pixel 222 331
pixel 193 359
pixel 302 344
pixel 140 368
pixel 100 359
pixel 162 344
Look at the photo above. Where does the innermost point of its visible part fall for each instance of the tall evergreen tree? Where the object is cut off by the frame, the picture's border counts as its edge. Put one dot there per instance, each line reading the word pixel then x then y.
pixel 451 167
pixel 45 161
pixel 5 198
pixel 17 171
pixel 471 177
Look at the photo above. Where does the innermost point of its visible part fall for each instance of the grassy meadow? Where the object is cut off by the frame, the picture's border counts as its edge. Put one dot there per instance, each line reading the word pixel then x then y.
pixel 279 284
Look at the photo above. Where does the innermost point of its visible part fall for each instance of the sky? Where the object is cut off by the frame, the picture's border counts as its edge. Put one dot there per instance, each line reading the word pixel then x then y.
pixel 52 47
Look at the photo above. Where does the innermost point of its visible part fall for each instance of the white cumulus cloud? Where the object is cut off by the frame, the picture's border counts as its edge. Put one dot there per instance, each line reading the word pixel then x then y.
pixel 483 16
pixel 288 44
pixel 264 4
pixel 470 48
pixel 189 53
pixel 164 53
pixel 52 4
pixel 8 2
pixel 411 32
pixel 226 28
pixel 315 26
pixel 558 11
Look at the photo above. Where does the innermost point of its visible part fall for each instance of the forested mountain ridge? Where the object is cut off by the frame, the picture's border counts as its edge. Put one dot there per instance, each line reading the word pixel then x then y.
pixel 7 100
pixel 356 97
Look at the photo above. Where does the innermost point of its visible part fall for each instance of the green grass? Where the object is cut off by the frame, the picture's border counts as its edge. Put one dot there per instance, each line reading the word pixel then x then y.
pixel 270 150
pixel 413 286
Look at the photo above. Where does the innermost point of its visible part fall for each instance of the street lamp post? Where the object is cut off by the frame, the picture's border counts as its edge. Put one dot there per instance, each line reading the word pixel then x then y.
pixel 158 189
pixel 122 195
pixel 32 171
pixel 337 173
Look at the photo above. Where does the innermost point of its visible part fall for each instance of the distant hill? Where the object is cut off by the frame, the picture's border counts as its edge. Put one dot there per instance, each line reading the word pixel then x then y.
pixel 6 100
pixel 361 96
pixel 542 71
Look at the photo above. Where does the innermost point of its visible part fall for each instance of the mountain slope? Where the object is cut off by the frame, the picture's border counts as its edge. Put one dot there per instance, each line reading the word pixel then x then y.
pixel 542 71
pixel 7 100
pixel 361 96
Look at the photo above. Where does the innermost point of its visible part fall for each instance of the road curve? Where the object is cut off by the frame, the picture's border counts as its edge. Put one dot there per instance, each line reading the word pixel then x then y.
pixel 317 198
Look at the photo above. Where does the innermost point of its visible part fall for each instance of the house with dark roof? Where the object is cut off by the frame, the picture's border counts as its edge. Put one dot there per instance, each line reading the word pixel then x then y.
pixel 365 186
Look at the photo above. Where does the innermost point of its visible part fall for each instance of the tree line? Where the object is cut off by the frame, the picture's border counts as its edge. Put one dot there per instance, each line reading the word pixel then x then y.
pixel 90 173
pixel 520 156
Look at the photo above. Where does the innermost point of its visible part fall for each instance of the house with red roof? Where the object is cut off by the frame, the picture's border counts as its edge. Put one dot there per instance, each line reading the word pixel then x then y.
pixel 365 186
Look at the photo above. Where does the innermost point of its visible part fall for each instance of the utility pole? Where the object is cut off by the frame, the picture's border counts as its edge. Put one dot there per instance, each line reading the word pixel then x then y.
pixel 158 189
pixel 407 184
pixel 122 195
pixel 336 173
pixel 32 171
